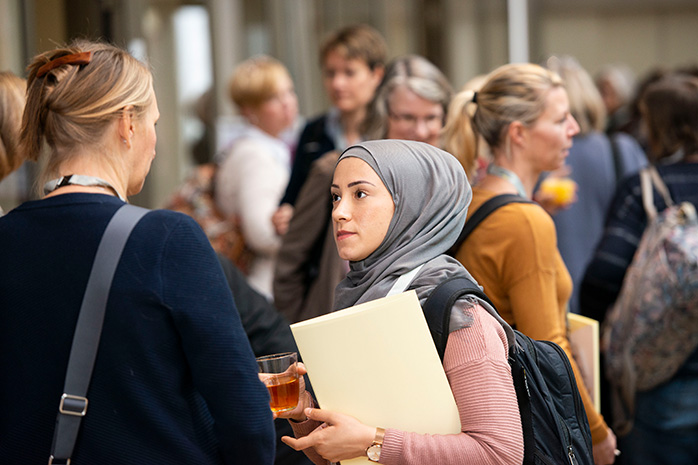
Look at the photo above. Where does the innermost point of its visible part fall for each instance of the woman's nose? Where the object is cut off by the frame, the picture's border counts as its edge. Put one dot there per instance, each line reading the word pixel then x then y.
pixel 338 81
pixel 290 99
pixel 340 211
pixel 573 127
pixel 421 130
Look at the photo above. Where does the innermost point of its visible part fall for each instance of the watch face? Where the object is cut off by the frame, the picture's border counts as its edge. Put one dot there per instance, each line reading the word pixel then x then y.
pixel 374 452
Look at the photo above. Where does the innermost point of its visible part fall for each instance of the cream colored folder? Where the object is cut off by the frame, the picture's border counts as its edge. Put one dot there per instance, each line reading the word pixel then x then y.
pixel 584 340
pixel 377 362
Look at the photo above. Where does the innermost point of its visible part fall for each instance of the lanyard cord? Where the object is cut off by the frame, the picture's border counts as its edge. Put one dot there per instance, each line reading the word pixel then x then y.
pixel 79 180
pixel 508 175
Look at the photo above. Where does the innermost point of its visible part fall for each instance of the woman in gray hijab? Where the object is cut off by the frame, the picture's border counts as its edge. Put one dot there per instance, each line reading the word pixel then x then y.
pixel 399 205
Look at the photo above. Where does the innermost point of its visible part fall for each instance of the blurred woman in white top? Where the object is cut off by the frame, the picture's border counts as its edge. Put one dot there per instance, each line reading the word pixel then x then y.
pixel 253 175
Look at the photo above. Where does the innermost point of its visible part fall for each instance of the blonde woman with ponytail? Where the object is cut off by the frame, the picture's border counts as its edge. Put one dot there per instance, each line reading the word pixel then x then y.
pixel 522 113
pixel 174 365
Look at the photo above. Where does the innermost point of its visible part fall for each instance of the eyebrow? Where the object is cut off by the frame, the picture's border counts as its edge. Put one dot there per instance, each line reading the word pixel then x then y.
pixel 355 183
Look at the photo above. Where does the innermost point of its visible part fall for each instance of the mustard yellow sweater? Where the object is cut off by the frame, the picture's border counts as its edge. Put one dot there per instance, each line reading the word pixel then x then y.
pixel 513 254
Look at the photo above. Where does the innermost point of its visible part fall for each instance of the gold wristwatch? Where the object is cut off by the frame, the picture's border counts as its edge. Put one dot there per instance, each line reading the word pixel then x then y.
pixel 374 450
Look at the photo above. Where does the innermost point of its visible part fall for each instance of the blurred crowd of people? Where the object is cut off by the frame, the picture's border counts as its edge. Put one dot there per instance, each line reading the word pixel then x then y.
pixel 190 321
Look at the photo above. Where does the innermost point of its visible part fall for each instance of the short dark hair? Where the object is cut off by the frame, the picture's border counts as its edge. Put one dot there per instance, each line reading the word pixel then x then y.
pixel 358 41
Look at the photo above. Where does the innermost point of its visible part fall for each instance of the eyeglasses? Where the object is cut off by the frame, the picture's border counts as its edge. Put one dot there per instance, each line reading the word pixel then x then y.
pixel 407 120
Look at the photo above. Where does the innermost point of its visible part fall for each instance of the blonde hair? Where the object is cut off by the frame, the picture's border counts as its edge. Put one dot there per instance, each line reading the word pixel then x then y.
pixel 586 104
pixel 457 137
pixel 513 92
pixel 71 106
pixel 417 74
pixel 467 150
pixel 356 42
pixel 255 80
pixel 12 100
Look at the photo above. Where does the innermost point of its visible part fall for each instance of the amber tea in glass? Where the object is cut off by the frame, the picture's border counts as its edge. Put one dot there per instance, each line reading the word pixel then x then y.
pixel 279 374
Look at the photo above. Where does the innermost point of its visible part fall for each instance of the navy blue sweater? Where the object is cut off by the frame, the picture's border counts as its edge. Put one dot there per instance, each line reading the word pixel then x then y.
pixel 175 379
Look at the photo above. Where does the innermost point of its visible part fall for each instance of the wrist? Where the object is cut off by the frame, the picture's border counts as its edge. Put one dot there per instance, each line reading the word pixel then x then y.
pixel 305 401
pixel 373 452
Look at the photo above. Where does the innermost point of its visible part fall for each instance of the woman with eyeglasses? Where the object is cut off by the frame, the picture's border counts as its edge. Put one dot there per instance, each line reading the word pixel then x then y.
pixel 411 102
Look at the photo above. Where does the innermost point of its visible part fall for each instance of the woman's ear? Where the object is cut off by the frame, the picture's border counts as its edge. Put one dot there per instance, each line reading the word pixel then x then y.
pixel 517 133
pixel 378 73
pixel 125 126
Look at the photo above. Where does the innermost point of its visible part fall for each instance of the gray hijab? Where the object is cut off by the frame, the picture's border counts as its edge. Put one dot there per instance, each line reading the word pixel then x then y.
pixel 431 195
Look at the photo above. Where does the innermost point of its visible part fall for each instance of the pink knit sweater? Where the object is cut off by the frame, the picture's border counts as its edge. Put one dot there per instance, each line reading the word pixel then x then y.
pixel 478 372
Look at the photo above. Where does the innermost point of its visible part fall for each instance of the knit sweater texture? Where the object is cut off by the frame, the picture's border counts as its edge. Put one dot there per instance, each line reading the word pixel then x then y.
pixel 475 362
pixel 175 380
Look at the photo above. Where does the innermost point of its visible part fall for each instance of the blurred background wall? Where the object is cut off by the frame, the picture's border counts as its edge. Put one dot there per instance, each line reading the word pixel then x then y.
pixel 192 46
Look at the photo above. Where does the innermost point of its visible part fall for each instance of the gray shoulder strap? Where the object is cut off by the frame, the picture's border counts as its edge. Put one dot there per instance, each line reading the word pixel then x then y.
pixel 88 330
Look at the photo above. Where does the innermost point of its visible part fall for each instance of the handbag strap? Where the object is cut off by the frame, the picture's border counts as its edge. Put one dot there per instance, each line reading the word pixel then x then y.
pixel 650 176
pixel 88 330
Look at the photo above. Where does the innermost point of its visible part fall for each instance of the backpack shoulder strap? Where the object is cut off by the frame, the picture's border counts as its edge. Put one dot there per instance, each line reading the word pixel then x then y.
pixel 437 308
pixel 617 158
pixel 481 213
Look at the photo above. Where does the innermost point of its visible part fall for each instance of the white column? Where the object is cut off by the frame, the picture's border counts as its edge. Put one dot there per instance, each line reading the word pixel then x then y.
pixel 11 37
pixel 294 41
pixel 517 16
pixel 462 41
pixel 227 42
pixel 165 173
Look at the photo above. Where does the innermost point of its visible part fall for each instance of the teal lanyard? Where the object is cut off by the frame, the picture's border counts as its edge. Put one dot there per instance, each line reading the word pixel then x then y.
pixel 496 170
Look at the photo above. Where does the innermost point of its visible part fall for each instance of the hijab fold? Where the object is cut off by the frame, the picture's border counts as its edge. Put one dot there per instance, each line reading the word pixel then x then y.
pixel 431 194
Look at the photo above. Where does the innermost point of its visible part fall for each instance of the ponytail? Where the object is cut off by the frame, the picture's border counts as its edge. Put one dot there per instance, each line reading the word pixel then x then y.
pixel 459 136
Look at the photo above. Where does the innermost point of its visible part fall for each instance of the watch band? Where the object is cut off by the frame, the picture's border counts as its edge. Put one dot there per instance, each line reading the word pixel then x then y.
pixel 373 452
pixel 380 435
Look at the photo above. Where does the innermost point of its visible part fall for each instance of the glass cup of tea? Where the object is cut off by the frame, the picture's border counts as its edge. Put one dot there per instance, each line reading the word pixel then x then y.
pixel 279 373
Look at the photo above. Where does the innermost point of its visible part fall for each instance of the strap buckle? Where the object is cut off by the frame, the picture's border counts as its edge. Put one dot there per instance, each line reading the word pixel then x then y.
pixel 73 405
pixel 58 461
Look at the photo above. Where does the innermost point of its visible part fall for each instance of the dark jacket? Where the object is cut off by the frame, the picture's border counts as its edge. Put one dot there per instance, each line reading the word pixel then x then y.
pixel 269 333
pixel 312 144
pixel 308 267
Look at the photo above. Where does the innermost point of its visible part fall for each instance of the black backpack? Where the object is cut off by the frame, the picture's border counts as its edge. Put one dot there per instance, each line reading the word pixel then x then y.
pixel 555 426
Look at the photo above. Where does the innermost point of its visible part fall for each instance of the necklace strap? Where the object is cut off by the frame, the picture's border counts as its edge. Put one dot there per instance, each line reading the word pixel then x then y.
pixel 79 180
pixel 508 175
